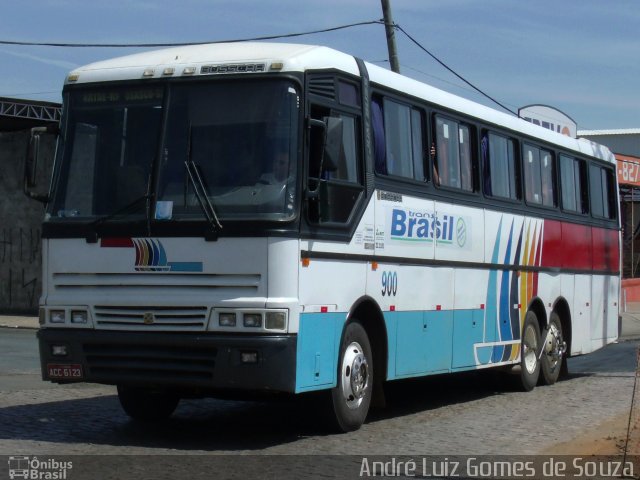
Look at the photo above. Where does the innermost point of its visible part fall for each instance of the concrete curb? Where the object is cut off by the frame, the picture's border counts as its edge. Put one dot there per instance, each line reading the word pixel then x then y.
pixel 15 321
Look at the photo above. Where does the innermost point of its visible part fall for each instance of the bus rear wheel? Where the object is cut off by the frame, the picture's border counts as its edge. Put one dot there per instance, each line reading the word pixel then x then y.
pixel 352 395
pixel 145 404
pixel 529 350
pixel 553 351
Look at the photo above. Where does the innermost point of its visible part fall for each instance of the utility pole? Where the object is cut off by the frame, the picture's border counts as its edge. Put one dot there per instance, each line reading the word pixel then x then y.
pixel 391 36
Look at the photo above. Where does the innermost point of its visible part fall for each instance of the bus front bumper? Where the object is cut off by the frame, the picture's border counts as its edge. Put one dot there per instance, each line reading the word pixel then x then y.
pixel 189 361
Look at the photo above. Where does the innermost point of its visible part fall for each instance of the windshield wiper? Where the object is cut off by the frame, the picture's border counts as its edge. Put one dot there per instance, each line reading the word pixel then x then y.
pixel 193 172
pixel 92 236
pixel 201 194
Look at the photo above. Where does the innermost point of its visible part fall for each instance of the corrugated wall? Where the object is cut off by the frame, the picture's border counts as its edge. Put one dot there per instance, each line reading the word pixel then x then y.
pixel 20 225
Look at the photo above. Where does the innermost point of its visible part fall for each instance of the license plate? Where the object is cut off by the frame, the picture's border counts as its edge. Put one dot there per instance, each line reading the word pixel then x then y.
pixel 64 371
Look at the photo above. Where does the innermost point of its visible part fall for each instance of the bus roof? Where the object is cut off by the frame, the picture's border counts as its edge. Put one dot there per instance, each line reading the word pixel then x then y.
pixel 252 57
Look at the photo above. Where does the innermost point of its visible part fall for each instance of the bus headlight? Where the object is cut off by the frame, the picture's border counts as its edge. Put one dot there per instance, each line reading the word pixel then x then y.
pixel 227 319
pixel 252 319
pixel 57 316
pixel 79 316
pixel 275 321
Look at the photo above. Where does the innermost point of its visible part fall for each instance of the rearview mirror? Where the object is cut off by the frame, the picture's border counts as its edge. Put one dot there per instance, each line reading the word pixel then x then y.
pixel 332 144
pixel 31 161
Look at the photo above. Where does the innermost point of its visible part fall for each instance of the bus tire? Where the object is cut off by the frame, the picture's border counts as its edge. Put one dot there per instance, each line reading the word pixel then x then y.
pixel 553 352
pixel 351 396
pixel 146 404
pixel 529 349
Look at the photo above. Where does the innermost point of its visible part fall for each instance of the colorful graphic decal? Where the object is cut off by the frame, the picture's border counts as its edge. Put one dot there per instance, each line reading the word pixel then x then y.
pixel 151 255
pixel 509 293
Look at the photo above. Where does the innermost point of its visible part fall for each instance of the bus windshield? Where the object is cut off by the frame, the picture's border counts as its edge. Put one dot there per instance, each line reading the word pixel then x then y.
pixel 110 143
pixel 121 145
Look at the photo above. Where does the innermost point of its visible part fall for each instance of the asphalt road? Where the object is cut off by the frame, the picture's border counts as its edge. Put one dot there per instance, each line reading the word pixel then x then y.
pixel 20 349
pixel 20 366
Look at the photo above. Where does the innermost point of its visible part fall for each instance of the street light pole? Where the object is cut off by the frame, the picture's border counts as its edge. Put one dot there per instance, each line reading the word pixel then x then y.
pixel 391 36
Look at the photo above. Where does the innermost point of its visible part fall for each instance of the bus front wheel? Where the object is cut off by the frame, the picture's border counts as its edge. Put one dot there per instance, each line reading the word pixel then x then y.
pixel 352 395
pixel 530 348
pixel 146 404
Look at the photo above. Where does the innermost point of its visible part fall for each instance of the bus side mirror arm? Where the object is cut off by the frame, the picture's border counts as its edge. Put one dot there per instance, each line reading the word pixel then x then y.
pixel 31 161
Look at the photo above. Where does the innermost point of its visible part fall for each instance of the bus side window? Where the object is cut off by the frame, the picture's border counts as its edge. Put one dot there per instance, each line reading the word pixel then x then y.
pixel 466 170
pixel 347 165
pixel 573 176
pixel 398 139
pixel 600 192
pixel 548 175
pixel 337 183
pixel 532 181
pixel 500 172
pixel 453 155
pixel 567 184
pixel 445 165
pixel 539 187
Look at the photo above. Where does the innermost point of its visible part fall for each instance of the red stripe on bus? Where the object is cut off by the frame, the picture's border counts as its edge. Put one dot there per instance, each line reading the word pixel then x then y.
pixel 579 247
pixel 116 242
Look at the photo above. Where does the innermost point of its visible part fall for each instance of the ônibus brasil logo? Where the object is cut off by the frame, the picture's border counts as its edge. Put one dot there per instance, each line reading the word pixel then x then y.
pixel 421 226
pixel 32 468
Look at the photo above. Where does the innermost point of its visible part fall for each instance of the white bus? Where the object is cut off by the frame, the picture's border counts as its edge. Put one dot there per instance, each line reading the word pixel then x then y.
pixel 266 217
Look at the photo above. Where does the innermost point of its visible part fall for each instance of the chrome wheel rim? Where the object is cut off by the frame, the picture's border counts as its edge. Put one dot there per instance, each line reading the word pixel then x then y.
pixel 354 375
pixel 529 349
pixel 552 346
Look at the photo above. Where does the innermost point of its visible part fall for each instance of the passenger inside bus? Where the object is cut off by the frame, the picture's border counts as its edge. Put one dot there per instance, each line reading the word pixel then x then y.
pixel 280 171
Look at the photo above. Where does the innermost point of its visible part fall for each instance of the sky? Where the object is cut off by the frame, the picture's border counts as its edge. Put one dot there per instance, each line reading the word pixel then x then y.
pixel 579 56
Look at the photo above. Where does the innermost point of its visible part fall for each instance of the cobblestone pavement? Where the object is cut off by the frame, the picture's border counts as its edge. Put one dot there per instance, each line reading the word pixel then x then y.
pixel 475 413
pixel 462 414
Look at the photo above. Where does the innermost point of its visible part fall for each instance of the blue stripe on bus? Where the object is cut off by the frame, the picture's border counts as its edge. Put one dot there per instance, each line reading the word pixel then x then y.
pixel 317 350
pixel 514 314
pixel 505 308
pixel 185 266
pixel 485 354
pixel 420 343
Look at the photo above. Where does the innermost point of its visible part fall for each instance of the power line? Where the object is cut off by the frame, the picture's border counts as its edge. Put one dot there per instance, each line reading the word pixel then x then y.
pixel 266 37
pixel 182 44
pixel 440 79
pixel 435 77
pixel 454 72
pixel 29 93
